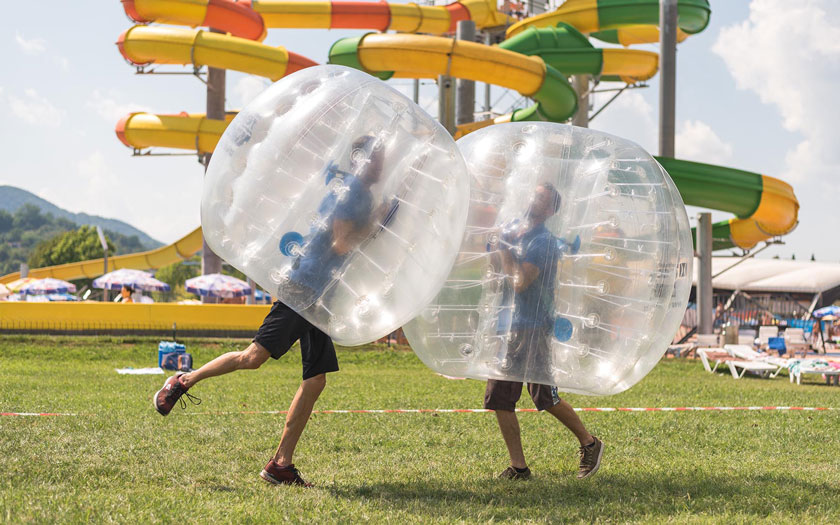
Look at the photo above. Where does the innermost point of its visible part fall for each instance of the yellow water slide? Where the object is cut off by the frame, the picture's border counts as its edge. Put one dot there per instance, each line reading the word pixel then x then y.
pixel 179 250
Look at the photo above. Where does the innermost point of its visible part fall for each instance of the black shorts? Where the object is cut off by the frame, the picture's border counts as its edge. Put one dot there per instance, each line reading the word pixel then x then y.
pixel 527 355
pixel 283 326
pixel 503 395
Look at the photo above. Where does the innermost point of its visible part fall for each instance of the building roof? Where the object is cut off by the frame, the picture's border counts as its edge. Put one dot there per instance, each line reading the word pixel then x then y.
pixel 773 275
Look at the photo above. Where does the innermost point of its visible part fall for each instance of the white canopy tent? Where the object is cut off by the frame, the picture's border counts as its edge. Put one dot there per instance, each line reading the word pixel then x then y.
pixel 773 275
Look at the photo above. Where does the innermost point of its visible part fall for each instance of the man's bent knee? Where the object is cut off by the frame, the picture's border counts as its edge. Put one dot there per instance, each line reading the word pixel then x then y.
pixel 253 357
pixel 315 383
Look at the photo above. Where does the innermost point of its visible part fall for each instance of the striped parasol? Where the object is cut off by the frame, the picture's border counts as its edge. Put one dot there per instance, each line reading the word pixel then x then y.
pixel 218 285
pixel 46 286
pixel 15 286
pixel 827 310
pixel 136 279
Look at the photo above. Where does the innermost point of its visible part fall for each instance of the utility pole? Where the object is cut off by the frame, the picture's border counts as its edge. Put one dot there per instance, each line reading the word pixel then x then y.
pixel 667 75
pixel 210 262
pixel 465 89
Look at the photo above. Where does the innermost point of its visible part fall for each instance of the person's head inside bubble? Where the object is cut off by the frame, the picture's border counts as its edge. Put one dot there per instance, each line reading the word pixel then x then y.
pixel 546 203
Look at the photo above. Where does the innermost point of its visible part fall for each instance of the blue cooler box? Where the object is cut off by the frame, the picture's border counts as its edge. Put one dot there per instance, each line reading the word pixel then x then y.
pixel 169 347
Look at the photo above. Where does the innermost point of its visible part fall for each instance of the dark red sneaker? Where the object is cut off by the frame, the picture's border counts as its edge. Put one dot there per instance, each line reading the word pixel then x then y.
pixel 171 393
pixel 277 475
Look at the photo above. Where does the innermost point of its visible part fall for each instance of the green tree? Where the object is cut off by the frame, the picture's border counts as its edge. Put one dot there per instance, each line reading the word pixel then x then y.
pixel 175 275
pixel 28 217
pixel 69 247
pixel 793 257
pixel 813 258
pixel 6 221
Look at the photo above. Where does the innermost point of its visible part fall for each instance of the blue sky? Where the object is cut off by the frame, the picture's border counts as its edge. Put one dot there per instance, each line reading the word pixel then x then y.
pixel 756 91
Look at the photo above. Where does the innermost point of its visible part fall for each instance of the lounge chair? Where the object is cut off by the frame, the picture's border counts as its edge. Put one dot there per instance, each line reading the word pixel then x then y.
pixel 800 367
pixel 795 341
pixel 765 333
pixel 748 360
pixel 718 355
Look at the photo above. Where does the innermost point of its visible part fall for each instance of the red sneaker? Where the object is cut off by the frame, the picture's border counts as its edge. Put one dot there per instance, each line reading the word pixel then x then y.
pixel 277 475
pixel 171 393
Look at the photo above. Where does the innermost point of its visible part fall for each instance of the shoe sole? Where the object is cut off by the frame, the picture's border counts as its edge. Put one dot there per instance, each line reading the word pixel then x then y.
pixel 155 401
pixel 597 463
pixel 269 478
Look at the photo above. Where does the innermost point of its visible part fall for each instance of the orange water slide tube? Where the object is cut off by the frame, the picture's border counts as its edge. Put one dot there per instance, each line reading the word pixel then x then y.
pixel 142 45
pixel 382 16
pixel 231 16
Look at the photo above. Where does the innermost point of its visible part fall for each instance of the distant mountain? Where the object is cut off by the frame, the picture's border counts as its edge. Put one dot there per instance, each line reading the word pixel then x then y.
pixel 12 198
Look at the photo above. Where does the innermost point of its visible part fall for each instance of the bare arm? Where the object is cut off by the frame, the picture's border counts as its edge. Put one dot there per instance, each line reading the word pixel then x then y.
pixel 345 236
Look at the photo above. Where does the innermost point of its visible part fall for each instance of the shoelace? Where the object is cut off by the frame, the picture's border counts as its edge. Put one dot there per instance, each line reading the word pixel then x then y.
pixel 586 454
pixel 193 399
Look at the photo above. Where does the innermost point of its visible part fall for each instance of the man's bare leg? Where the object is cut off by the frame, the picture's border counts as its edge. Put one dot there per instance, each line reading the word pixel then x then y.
pixel 564 412
pixel 299 412
pixel 509 425
pixel 249 359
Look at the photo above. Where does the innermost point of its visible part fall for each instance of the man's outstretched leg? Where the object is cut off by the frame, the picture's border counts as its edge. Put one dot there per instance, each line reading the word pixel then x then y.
pixel 281 468
pixel 176 386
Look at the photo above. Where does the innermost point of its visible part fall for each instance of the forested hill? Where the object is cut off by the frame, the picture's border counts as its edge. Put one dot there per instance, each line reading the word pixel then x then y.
pixel 27 233
pixel 12 198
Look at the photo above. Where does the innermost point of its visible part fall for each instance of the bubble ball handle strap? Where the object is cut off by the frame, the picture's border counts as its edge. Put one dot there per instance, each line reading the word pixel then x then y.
pixel 332 172
pixel 291 244
pixel 562 329
pixel 569 248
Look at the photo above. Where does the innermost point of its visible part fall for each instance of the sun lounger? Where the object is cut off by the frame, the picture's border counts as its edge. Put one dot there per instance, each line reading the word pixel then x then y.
pixel 749 360
pixel 765 333
pixel 795 341
pixel 800 367
pixel 718 355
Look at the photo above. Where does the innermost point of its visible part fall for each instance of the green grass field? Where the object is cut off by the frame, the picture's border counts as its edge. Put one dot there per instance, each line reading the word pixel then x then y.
pixel 119 461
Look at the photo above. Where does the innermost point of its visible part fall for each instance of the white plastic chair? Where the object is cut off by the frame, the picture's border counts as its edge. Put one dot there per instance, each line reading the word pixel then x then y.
pixel 765 333
pixel 795 341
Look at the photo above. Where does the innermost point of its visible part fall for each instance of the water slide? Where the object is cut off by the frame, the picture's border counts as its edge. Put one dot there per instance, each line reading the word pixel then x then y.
pixel 179 250
pixel 529 61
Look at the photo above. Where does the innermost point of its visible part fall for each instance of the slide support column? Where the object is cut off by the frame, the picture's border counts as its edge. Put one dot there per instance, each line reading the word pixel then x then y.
pixel 446 103
pixel 581 85
pixel 210 262
pixel 705 308
pixel 667 75
pixel 465 89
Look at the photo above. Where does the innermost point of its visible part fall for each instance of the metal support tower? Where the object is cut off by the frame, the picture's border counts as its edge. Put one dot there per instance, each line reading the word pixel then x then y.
pixel 465 89
pixel 210 262
pixel 667 75
pixel 581 85
pixel 705 307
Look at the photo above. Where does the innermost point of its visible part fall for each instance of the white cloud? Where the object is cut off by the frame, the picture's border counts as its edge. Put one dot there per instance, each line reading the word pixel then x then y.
pixel 247 88
pixel 789 55
pixel 30 47
pixel 630 116
pixel 109 109
pixel 35 109
pixel 697 141
pixel 63 63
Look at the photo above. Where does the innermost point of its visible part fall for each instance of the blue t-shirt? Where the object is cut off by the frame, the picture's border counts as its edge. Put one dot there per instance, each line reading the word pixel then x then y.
pixel 534 306
pixel 315 267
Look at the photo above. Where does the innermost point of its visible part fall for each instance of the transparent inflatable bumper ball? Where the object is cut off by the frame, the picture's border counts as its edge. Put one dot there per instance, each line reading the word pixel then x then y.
pixel 341 197
pixel 574 269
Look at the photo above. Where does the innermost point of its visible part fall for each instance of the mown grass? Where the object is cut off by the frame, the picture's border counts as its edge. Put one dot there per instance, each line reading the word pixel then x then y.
pixel 119 461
